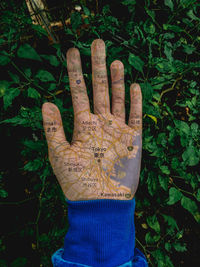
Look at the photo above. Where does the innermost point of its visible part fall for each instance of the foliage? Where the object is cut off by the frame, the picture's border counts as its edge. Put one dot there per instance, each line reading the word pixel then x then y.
pixel 158 44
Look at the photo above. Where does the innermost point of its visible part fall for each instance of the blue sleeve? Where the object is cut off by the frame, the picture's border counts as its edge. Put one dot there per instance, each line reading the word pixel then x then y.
pixel 101 234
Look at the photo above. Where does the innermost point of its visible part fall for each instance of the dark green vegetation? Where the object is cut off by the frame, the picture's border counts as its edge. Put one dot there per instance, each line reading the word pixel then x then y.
pixel 158 42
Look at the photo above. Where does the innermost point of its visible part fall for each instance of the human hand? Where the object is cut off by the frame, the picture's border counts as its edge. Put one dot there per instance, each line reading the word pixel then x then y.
pixel 103 161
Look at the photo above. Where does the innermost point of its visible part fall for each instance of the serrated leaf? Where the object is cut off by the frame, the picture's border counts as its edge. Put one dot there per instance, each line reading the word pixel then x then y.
pixel 151 239
pixel 45 76
pixel 136 62
pixel 33 93
pixel 170 221
pixel 174 196
pixel 28 52
pixel 153 223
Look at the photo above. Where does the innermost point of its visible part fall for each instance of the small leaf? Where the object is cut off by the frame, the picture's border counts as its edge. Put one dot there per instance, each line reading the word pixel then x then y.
pixel 170 4
pixel 163 182
pixel 180 247
pixel 151 239
pixel 174 196
pixel 33 93
pixel 28 52
pixel 153 223
pixel 45 76
pixel 152 117
pixel 54 61
pixel 8 97
pixel 76 20
pixel 4 58
pixel 3 193
pixel 170 221
pixel 136 62
pixel 149 26
pixel 165 169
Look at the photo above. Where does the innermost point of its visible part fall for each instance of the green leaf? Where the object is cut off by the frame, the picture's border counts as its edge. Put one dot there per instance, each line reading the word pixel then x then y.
pixel 182 127
pixel 198 195
pixel 33 93
pixel 170 221
pixel 173 28
pixel 189 205
pixel 54 61
pixel 14 77
pixel 128 2
pixel 151 239
pixel 165 169
pixel 136 62
pixel 86 10
pixel 188 49
pixel 170 4
pixel 28 52
pixel 190 156
pixel 3 193
pixel 76 20
pixel 147 91
pixel 149 26
pixel 152 184
pixel 19 262
pixel 45 76
pixel 3 87
pixel 164 181
pixel 153 223
pixel 180 247
pixel 174 196
pixel 4 58
pixel 34 165
pixel 8 97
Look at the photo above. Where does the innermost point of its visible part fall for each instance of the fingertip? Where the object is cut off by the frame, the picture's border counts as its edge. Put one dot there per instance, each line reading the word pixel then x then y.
pixel 49 107
pixel 117 64
pixel 72 52
pixel 135 86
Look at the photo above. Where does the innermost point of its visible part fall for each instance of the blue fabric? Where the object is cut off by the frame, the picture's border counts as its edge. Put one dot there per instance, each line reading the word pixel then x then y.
pixel 101 234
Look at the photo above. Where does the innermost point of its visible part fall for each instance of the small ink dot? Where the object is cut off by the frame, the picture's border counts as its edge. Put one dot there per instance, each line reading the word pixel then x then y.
pixel 130 148
pixel 99 160
pixel 78 81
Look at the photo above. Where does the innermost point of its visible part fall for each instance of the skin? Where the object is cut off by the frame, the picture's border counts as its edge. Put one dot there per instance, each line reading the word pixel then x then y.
pixel 104 157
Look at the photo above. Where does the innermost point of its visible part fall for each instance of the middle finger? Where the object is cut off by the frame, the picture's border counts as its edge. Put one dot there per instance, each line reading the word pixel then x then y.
pixel 101 98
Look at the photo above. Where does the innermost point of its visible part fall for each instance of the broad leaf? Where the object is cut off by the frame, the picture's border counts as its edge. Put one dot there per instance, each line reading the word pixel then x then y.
pixel 174 196
pixel 28 52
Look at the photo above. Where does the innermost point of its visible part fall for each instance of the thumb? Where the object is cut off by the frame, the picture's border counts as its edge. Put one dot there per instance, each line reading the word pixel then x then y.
pixel 52 123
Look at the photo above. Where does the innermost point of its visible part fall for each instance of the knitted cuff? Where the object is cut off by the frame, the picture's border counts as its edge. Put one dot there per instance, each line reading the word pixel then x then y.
pixel 101 232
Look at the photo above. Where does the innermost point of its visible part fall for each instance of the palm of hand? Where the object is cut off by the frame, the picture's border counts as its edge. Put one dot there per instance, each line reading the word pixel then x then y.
pixel 103 161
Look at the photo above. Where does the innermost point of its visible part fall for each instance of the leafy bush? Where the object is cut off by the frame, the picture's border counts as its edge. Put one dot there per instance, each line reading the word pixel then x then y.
pixel 158 44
